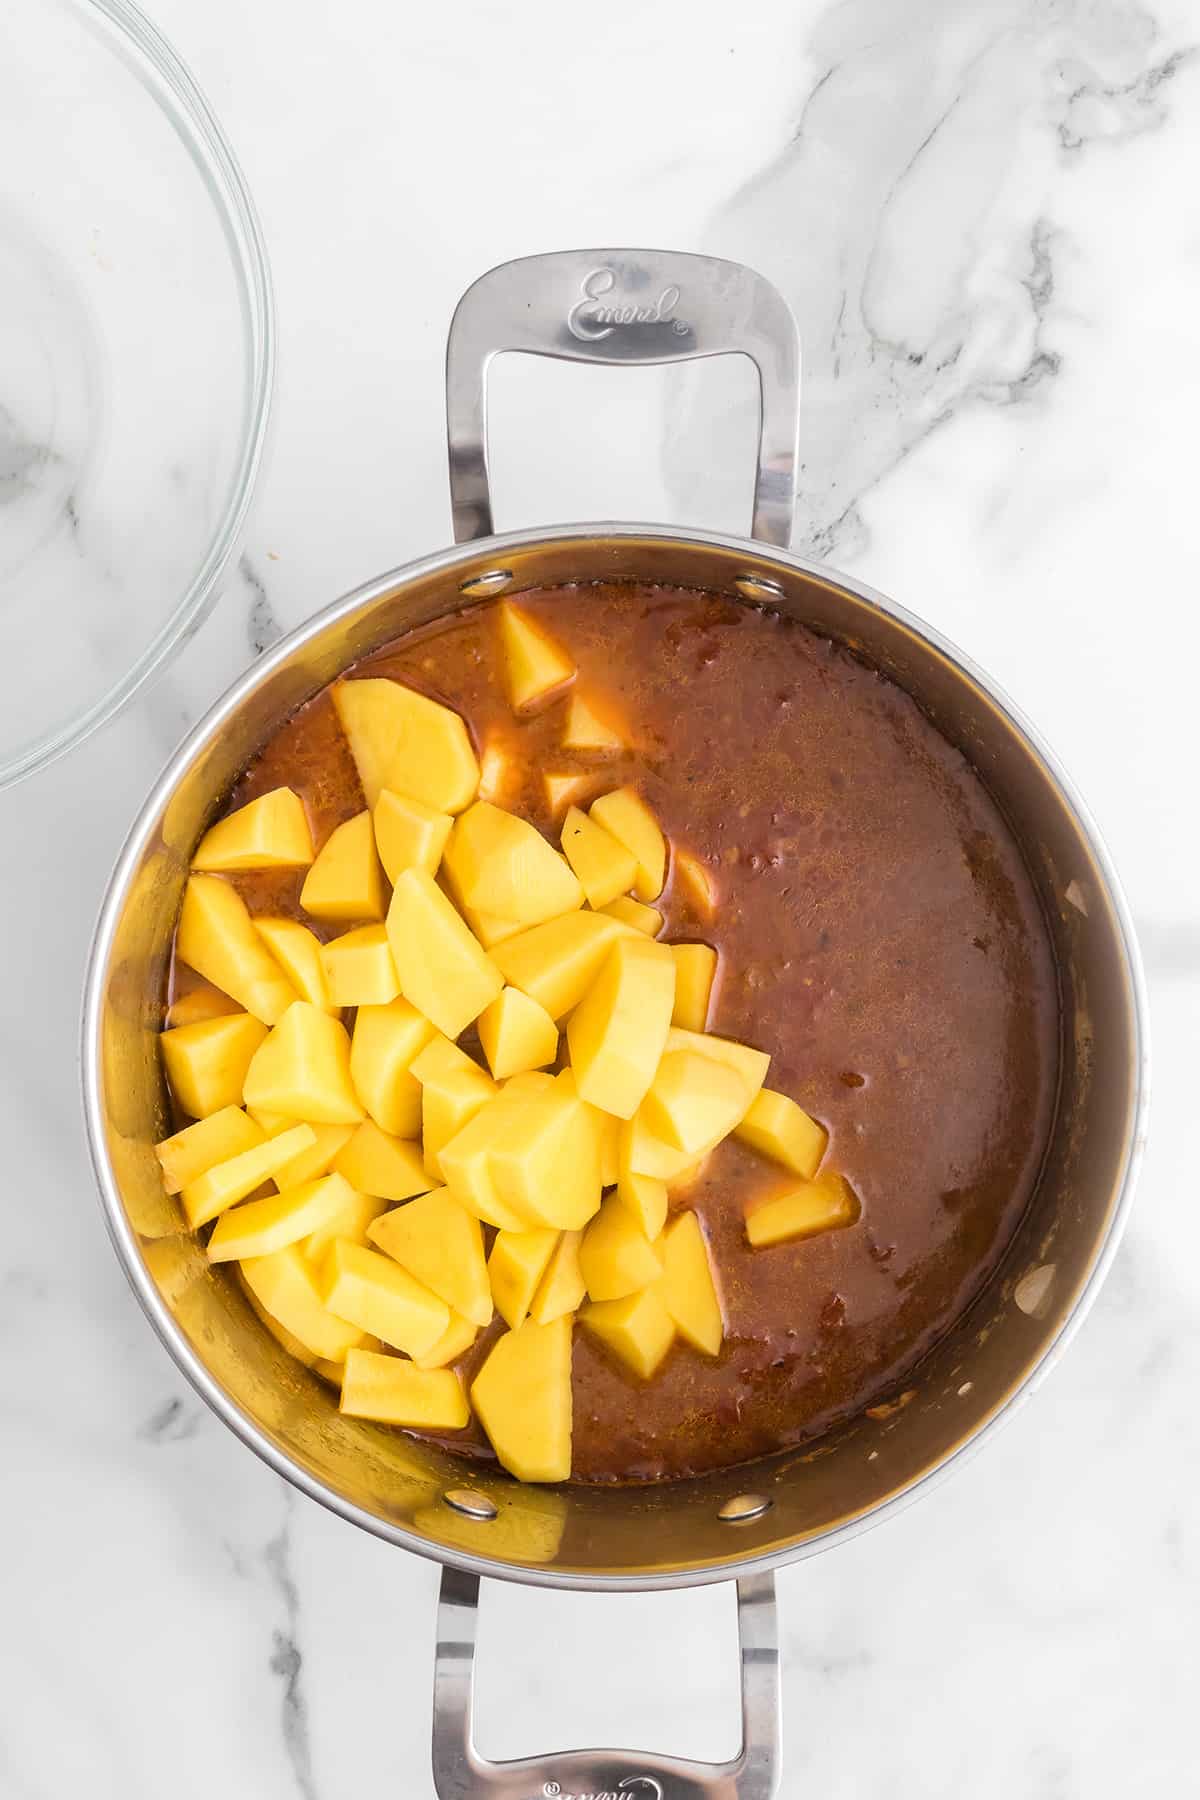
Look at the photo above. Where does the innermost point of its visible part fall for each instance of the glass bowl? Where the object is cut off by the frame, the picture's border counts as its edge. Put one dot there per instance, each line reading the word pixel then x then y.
pixel 136 361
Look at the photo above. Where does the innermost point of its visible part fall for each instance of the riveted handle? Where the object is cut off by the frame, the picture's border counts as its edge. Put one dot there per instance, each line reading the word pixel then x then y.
pixel 623 307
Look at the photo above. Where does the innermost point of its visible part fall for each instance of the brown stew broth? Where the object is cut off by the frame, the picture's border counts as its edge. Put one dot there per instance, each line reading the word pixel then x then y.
pixel 879 936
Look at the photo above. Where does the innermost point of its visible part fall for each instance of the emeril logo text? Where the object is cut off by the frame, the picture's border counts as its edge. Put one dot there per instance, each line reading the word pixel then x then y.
pixel 644 1787
pixel 599 310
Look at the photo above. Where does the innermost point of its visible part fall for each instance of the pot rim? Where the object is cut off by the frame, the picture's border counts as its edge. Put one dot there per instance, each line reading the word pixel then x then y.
pixel 759 555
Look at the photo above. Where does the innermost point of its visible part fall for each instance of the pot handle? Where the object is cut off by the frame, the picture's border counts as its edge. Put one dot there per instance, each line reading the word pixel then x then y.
pixel 623 307
pixel 460 1773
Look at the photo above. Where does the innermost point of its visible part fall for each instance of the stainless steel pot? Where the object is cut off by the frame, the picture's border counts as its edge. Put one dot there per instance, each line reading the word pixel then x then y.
pixel 617 307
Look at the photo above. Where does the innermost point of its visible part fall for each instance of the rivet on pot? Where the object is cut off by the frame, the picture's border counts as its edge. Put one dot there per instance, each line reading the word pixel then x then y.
pixel 744 1506
pixel 758 587
pixel 471 1502
pixel 492 581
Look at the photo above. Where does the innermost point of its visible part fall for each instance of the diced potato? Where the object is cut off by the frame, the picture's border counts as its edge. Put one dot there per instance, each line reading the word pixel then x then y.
pixel 376 1163
pixel 453 1088
pixel 534 663
pixel 409 834
pixel 751 1064
pixel 352 1221
pixel 515 1267
pixel 395 1392
pixel 637 1328
pixel 204 1002
pixel 605 867
pixel 441 1244
pixel 545 1159
pixel 517 1034
pixel 696 882
pixel 587 730
pixel 228 1182
pixel 500 866
pixel 556 963
pixel 489 928
pixel 439 1056
pixel 191 1152
pixel 386 1041
pixel 318 1159
pixel 646 919
pixel 616 1256
pixel 641 1153
pixel 562 1287
pixel 206 1063
pixel 444 972
pixel 617 1032
pixel 270 1123
pixel 216 937
pixel 687 1289
pixel 403 741
pixel 465 1161
pixel 359 968
pixel 778 1128
pixel 303 1069
pixel 286 1285
pixel 646 1199
pixel 695 972
pixel 531 1081
pixel 605 1129
pixel 283 1336
pixel 268 833
pixel 522 1396
pixel 346 880
pixel 626 815
pixel 260 1227
pixel 694 1102
pixel 457 1338
pixel 565 788
pixel 801 1211
pixel 373 1292
pixel 297 950
pixel 495 772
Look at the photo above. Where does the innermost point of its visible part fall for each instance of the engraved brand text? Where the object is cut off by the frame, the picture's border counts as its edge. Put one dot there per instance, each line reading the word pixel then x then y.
pixel 598 312
pixel 634 1787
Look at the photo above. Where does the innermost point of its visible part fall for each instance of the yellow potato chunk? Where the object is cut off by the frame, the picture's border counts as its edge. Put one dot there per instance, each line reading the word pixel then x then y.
pixel 282 1335
pixel 376 1294
pixel 695 972
pixel 499 866
pixel 444 971
pixel 637 1328
pixel 641 1153
pixel 562 1287
pixel 556 963
pixel 606 1130
pixel 465 1161
pixel 605 867
pixel 616 1256
pixel 297 950
pixel 453 1088
pixel 564 788
pixel 359 968
pixel 440 1057
pixel 302 1069
pixel 376 1163
pixel 801 1211
pixel 531 1081
pixel 522 1396
pixel 515 1267
pixel 206 1063
pixel 318 1159
pixel 495 771
pixel 697 883
pixel 778 1128
pixel 545 1159
pixel 403 741
pixel 626 815
pixel 617 1032
pixel 394 1391
pixel 387 1040
pixel 352 1220
pixel 694 1102
pixel 517 1034
pixel 268 833
pixel 285 1285
pixel 457 1338
pixel 489 928
pixel 204 1002
pixel 646 919
pixel 191 1152
pixel 751 1064
pixel 228 1182
pixel 346 880
pixel 216 937
pixel 441 1244
pixel 587 730
pixel 535 665
pixel 409 834
pixel 646 1199
pixel 687 1289
pixel 269 1123
pixel 260 1227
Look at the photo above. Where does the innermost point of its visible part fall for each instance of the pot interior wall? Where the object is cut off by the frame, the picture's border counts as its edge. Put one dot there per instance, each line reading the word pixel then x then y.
pixel 395 1485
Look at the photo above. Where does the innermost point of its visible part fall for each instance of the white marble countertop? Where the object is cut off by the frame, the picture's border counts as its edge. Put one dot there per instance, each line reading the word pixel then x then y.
pixel 984 214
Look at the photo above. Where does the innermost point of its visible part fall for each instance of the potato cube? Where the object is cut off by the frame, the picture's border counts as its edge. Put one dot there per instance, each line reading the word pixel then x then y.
pixel 359 968
pixel 534 663
pixel 191 1152
pixel 441 1244
pixel 587 729
pixel 616 1256
pixel 617 1032
pixel 496 771
pixel 489 928
pixel 637 1328
pixel 778 1128
pixel 376 1163
pixel 260 1227
pixel 351 1220
pixel 556 963
pixel 285 1284
pixel 283 1337
pixel 440 1057
pixel 626 815
pixel 317 1160
pixel 522 1396
pixel 500 866
pixel 403 741
pixel 641 1153
pixel 394 1391
pixel 517 1034
pixel 303 1069
pixel 530 1081
pixel 687 1289
pixel 409 834
pixel 562 1286
pixel 454 1342
pixel 371 1291
pixel 517 1262
pixel 801 1211
pixel 270 1123
pixel 696 883
pixel 605 1129
pixel 646 1199
pixel 693 1101
pixel 465 1161
pixel 216 937
pixel 695 972
pixel 346 880
pixel 228 1182
pixel 751 1064
pixel 605 867
pixel 206 1063
pixel 387 1040
pixel 564 788
pixel 453 1088
pixel 268 833
pixel 203 1002
pixel 444 972
pixel 646 919
pixel 297 950
pixel 545 1159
